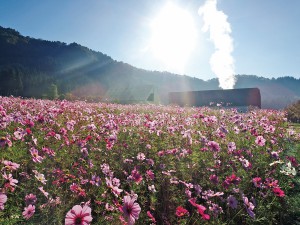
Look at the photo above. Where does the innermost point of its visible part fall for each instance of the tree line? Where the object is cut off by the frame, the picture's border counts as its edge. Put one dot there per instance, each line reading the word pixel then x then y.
pixel 45 69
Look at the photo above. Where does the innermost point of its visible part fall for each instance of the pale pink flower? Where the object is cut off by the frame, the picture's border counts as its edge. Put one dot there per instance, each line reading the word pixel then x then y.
pixel 260 140
pixel 79 215
pixel 249 206
pixel 151 188
pixel 10 165
pixel 116 190
pixel 28 212
pixel 109 207
pixel 10 180
pixel 231 147
pixel 141 156
pixel 35 155
pixel 40 177
pixel 19 134
pixel 3 199
pixel 44 192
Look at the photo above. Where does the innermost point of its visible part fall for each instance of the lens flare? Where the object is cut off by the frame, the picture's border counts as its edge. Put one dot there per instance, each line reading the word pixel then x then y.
pixel 173 37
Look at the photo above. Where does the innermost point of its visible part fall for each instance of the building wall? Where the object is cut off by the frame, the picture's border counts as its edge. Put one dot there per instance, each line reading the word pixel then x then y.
pixel 231 97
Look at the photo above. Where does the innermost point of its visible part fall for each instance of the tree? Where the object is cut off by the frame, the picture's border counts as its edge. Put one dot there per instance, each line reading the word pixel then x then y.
pixel 53 93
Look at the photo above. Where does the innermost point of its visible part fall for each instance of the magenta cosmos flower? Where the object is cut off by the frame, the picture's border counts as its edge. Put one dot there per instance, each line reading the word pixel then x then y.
pixel 180 211
pixel 278 192
pixel 79 216
pixel 131 209
pixel 200 209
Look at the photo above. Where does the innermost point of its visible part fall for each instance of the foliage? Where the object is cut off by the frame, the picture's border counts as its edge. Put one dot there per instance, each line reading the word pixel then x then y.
pixel 29 66
pixel 53 93
pixel 293 112
pixel 176 165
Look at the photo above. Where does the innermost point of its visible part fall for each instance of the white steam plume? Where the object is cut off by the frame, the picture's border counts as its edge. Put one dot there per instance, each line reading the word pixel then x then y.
pixel 221 62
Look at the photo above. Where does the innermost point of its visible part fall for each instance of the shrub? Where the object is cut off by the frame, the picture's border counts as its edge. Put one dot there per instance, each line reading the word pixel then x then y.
pixel 293 112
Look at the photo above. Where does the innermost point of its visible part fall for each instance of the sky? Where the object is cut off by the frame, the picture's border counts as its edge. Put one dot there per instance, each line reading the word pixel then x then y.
pixel 164 35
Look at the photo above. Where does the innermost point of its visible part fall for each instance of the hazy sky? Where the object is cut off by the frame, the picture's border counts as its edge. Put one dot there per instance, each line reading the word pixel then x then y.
pixel 265 33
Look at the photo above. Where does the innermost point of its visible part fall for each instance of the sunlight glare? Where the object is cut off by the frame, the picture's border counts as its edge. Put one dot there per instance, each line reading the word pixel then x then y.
pixel 173 37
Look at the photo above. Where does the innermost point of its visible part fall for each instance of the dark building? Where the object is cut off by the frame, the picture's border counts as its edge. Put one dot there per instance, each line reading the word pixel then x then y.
pixel 232 97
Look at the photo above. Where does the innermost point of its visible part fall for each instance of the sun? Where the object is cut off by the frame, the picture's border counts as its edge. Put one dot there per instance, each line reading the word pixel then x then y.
pixel 173 37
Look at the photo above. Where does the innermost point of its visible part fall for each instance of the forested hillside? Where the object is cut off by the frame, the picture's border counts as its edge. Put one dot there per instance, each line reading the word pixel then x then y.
pixel 37 68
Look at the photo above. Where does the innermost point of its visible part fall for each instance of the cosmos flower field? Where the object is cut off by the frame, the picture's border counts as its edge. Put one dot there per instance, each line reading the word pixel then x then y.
pixel 95 163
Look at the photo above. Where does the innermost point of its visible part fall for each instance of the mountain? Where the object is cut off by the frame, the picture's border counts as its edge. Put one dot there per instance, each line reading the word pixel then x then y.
pixel 32 67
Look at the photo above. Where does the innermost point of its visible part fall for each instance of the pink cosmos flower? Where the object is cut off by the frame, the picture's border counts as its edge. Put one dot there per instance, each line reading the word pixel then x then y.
pixel 131 209
pixel 246 164
pixel 3 199
pixel 79 215
pixel 136 176
pixel 109 207
pixel 74 187
pixel 28 212
pixel 115 189
pixel 260 141
pixel 35 155
pixel 30 199
pixel 10 165
pixel 180 211
pixel 10 181
pixel 150 174
pixel 214 146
